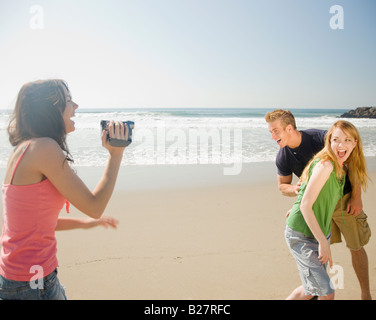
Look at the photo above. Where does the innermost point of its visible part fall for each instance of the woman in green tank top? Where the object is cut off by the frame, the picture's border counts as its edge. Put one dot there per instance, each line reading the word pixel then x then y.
pixel 308 225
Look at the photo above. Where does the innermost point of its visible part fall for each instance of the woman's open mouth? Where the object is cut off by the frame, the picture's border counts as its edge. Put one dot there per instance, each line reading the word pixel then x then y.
pixel 341 154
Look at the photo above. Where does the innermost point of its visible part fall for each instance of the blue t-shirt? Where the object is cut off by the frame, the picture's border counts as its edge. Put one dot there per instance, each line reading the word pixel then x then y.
pixel 293 161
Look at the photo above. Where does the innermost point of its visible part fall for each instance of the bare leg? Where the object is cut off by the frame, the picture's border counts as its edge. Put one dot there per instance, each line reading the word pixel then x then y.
pixel 298 294
pixel 360 264
pixel 328 297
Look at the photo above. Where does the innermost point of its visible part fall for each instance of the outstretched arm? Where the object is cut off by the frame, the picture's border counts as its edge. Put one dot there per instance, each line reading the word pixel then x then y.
pixel 52 164
pixel 64 223
pixel 355 204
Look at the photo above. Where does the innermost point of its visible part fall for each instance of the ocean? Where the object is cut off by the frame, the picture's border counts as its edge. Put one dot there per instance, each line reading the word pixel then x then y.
pixel 190 136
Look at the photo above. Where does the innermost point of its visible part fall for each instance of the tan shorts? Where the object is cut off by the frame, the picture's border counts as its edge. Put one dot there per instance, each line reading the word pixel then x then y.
pixel 355 230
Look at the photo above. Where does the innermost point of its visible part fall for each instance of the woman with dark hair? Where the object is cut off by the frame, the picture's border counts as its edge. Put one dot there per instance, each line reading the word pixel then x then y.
pixel 38 182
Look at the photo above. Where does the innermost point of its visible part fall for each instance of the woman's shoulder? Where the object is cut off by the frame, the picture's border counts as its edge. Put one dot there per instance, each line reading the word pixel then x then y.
pixel 325 165
pixel 43 142
pixel 44 147
pixel 45 155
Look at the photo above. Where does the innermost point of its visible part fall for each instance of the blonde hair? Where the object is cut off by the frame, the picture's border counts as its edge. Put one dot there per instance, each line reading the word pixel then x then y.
pixel 285 116
pixel 355 163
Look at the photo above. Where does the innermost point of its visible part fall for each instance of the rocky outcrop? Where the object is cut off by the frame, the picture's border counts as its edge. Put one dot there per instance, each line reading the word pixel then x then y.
pixel 362 112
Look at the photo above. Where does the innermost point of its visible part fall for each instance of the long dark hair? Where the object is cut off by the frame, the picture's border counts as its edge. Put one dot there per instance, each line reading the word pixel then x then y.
pixel 39 113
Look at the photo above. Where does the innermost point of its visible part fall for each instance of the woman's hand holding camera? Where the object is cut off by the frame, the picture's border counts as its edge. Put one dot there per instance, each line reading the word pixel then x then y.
pixel 115 130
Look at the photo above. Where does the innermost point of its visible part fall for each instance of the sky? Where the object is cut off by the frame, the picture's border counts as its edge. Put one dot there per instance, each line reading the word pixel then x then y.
pixel 193 53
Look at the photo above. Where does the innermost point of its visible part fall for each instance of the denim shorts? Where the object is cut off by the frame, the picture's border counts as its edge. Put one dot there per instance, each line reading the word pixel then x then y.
pixel 25 290
pixel 313 274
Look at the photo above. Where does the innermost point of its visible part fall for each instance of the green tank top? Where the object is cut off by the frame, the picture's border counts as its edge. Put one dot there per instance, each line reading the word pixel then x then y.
pixel 323 207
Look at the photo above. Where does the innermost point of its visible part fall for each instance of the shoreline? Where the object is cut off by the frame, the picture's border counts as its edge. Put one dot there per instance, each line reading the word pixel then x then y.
pixel 140 177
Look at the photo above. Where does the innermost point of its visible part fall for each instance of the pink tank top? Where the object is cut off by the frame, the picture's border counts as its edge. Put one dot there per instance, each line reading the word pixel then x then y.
pixel 28 243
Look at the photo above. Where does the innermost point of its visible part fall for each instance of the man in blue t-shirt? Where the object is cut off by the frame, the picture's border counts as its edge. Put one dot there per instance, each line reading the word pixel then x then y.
pixel 297 147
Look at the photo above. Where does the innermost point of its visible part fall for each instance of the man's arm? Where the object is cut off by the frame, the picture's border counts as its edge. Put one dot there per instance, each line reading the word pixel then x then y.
pixel 285 186
pixel 355 204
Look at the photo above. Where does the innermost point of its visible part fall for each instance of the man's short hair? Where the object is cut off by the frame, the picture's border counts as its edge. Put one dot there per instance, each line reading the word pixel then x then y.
pixel 285 116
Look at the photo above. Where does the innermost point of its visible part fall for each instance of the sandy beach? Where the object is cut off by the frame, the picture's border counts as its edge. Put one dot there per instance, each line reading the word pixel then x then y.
pixel 190 232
